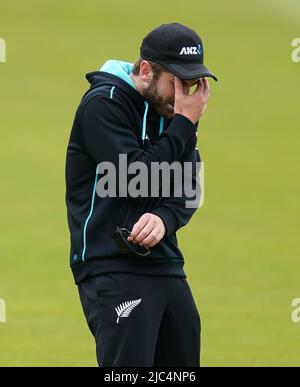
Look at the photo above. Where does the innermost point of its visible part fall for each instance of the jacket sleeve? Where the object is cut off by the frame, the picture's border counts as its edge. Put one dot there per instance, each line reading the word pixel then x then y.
pixel 176 212
pixel 108 132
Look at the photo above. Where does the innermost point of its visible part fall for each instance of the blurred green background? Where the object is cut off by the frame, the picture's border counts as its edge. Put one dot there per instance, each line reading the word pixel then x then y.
pixel 241 248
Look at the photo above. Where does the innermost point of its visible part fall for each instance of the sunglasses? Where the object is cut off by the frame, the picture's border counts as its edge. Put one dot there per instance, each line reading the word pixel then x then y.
pixel 128 248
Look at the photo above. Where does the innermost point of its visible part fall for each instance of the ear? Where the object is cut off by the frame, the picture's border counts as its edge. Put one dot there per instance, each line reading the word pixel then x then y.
pixel 146 73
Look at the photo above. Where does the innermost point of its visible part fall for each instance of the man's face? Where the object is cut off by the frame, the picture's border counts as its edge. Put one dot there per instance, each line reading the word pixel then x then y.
pixel 161 93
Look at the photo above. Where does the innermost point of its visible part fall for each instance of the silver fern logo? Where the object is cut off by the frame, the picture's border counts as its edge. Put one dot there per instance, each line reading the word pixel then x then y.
pixel 124 309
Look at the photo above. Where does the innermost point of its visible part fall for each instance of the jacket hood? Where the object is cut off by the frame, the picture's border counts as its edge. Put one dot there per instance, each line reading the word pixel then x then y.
pixel 119 69
pixel 115 73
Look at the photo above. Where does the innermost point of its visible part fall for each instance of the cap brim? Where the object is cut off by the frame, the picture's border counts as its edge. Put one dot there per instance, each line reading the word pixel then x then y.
pixel 189 71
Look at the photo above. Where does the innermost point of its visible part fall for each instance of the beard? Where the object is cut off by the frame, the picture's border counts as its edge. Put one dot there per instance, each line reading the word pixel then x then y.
pixel 163 106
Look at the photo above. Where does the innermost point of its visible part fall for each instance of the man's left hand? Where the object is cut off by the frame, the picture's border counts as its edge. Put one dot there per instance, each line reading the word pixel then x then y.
pixel 148 231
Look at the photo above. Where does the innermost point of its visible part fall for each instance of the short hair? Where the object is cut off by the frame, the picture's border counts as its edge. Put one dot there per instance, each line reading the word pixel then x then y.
pixel 156 68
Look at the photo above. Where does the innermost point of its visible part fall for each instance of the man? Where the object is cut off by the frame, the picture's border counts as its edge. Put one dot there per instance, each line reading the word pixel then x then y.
pixel 124 253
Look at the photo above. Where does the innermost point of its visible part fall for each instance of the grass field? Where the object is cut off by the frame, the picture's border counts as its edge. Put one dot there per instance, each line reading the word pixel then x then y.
pixel 242 248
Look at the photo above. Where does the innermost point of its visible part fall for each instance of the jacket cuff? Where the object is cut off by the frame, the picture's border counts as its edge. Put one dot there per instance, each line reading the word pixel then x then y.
pixel 181 127
pixel 169 219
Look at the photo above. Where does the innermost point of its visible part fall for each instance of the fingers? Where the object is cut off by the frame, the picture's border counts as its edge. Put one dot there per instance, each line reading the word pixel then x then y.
pixel 186 89
pixel 137 228
pixel 153 238
pixel 191 105
pixel 148 231
pixel 144 233
pixel 200 88
pixel 178 86
pixel 181 89
pixel 206 87
pixel 206 83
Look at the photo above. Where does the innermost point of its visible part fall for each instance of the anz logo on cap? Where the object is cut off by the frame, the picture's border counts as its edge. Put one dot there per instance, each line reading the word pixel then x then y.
pixel 191 50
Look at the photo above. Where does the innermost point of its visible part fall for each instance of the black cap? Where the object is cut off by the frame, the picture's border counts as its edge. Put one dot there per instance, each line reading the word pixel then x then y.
pixel 178 48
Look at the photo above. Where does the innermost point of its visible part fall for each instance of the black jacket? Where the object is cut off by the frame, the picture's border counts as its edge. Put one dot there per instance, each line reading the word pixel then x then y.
pixel 113 118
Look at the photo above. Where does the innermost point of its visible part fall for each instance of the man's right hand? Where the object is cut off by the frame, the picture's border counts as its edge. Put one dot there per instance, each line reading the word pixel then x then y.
pixel 191 106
